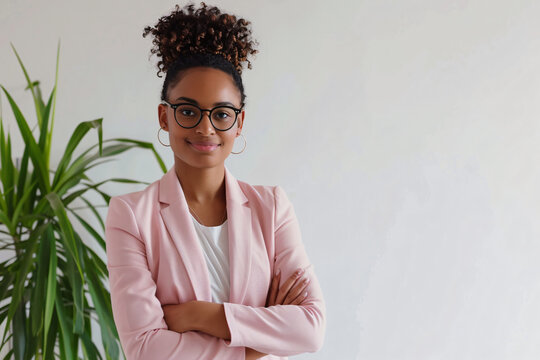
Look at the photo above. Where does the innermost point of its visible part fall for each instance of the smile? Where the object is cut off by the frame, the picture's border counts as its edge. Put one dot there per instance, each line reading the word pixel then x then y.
pixel 203 148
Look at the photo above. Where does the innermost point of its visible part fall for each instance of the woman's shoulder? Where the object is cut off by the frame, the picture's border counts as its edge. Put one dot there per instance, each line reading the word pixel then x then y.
pixel 141 197
pixel 269 195
pixel 257 191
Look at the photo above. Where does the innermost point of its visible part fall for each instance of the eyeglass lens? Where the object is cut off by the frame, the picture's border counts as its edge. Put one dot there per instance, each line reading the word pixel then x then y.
pixel 222 117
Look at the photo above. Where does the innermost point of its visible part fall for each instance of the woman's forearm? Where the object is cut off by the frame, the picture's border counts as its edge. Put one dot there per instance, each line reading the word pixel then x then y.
pixel 196 315
pixel 203 316
pixel 210 318
pixel 252 354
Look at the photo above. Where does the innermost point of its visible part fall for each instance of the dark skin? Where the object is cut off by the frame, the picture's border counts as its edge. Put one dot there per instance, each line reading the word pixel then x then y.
pixel 202 174
pixel 202 177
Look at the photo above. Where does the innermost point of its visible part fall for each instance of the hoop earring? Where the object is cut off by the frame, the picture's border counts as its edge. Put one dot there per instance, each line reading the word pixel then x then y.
pixel 160 139
pixel 245 144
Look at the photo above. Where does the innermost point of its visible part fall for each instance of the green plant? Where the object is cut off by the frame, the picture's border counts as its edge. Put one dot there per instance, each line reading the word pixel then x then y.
pixel 51 273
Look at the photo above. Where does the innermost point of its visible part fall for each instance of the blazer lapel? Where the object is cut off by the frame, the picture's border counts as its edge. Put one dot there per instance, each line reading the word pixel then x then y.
pixel 240 238
pixel 178 221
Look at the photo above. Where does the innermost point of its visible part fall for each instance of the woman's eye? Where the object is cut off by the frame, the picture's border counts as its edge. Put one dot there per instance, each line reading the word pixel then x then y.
pixel 187 112
pixel 222 115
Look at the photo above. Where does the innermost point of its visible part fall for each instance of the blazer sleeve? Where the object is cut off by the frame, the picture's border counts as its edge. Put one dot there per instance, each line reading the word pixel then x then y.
pixel 137 311
pixel 282 330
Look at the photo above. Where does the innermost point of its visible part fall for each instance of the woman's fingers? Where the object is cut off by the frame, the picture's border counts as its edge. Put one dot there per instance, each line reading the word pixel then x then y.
pixel 297 292
pixel 299 298
pixel 284 289
pixel 271 299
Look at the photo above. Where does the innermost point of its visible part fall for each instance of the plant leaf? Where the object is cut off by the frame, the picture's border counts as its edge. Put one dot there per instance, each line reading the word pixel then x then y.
pixel 19 332
pixel 107 325
pixel 65 329
pixel 90 230
pixel 38 104
pixel 7 175
pixel 49 133
pixel 25 262
pixel 44 128
pixel 77 284
pixel 35 153
pixel 51 287
pixel 78 134
pixel 50 340
pixel 22 201
pixel 65 229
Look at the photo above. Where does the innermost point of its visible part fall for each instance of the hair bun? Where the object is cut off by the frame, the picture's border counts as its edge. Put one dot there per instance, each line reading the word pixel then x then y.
pixel 190 31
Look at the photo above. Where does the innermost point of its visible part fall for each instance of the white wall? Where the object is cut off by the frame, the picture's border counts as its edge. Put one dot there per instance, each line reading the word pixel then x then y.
pixel 405 133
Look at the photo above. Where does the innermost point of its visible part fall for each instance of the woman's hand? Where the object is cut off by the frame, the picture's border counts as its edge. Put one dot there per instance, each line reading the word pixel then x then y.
pixel 182 317
pixel 291 292
pixel 179 317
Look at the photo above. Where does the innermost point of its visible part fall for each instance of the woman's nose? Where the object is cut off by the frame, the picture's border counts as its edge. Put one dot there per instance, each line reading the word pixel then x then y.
pixel 205 125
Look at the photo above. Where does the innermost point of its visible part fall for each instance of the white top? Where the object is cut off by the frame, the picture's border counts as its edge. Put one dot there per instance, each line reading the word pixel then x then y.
pixel 215 245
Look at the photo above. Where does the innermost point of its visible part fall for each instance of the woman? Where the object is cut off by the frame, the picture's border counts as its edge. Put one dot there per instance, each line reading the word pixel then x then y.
pixel 196 259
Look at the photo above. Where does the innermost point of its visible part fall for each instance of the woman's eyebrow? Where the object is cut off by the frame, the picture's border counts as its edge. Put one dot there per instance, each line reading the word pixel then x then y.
pixel 197 103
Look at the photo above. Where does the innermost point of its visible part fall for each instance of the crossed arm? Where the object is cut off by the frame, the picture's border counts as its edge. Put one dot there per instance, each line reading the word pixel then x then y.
pixel 227 330
pixel 210 318
pixel 204 316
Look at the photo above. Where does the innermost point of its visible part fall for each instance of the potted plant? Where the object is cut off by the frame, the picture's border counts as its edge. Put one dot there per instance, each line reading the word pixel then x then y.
pixel 52 283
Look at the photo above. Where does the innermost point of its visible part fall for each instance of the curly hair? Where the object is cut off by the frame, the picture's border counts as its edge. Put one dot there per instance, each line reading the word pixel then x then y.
pixel 190 37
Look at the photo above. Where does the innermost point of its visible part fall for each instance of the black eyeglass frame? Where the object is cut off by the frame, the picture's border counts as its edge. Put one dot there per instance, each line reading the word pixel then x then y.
pixel 174 106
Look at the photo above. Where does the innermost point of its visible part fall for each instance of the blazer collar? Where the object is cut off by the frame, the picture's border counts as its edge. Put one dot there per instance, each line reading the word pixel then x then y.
pixel 179 223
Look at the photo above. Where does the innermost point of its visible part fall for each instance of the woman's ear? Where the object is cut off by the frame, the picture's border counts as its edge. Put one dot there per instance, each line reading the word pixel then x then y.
pixel 162 117
pixel 240 121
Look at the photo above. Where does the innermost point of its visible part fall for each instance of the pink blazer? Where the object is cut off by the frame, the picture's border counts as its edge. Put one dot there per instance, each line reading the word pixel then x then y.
pixel 154 258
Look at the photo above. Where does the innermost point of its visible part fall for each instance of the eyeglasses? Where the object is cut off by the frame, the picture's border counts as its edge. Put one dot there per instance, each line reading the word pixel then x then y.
pixel 189 115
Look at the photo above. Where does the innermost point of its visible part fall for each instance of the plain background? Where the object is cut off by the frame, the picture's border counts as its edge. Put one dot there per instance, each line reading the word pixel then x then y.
pixel 404 132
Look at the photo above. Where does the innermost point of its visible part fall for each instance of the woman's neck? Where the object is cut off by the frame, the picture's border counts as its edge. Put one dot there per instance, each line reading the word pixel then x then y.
pixel 201 185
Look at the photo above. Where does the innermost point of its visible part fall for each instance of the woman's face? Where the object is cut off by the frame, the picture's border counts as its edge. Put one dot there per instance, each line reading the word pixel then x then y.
pixel 206 86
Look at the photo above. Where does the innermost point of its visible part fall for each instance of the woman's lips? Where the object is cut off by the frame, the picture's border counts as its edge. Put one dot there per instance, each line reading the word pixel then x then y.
pixel 205 148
